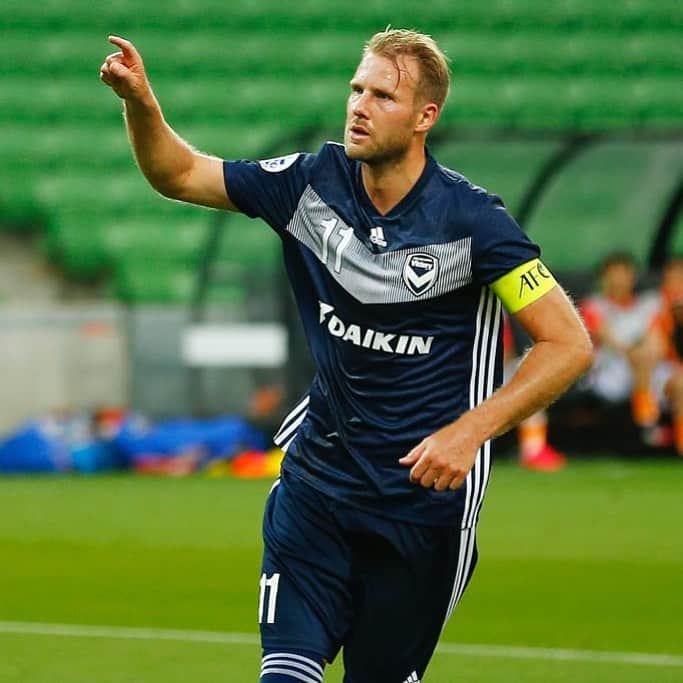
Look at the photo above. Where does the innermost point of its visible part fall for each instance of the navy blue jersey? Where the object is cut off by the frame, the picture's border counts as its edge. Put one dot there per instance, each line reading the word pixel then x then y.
pixel 402 326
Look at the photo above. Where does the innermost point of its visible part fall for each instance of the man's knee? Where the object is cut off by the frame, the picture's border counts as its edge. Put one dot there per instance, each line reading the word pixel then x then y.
pixel 279 666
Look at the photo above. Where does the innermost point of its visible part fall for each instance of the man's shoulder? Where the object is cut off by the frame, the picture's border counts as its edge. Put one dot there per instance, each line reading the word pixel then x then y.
pixel 333 147
pixel 470 206
pixel 467 193
pixel 333 153
pixel 329 152
pixel 330 158
pixel 459 181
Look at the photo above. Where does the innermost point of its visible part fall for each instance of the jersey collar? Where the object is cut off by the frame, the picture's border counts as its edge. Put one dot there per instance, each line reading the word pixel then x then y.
pixel 406 202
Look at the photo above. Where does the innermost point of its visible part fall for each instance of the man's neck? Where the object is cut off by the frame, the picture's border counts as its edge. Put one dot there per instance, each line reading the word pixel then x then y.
pixel 387 184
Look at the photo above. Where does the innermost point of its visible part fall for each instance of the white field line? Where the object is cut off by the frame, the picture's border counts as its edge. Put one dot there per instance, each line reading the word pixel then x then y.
pixel 233 638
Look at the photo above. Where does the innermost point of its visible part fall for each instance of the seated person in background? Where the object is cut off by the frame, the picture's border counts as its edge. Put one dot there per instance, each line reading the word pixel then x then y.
pixel 535 453
pixel 668 330
pixel 628 353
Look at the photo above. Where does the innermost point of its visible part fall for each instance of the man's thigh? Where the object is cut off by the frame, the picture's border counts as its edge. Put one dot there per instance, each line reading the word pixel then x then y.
pixel 405 589
pixel 304 599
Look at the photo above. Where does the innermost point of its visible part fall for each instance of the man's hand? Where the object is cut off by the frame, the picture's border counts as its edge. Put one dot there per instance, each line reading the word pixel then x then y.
pixel 124 71
pixel 444 459
pixel 172 167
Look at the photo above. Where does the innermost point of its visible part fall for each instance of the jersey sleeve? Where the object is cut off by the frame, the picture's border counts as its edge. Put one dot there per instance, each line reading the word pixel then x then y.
pixel 498 243
pixel 268 189
pixel 504 258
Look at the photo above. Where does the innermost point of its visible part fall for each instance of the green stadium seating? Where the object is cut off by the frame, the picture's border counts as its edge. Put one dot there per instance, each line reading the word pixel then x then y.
pixel 244 79
pixel 251 247
pixel 493 169
pixel 203 53
pixel 610 198
pixel 151 281
pixel 344 15
pixel 178 239
pixel 62 146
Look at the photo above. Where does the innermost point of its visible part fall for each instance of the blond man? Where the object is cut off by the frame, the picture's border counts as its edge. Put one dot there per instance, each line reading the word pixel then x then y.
pixel 400 268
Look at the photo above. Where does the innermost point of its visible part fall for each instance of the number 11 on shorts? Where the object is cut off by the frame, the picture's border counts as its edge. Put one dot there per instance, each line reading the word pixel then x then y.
pixel 270 585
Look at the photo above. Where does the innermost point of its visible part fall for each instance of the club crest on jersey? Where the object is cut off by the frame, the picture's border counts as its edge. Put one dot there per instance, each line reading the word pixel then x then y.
pixel 420 272
pixel 278 164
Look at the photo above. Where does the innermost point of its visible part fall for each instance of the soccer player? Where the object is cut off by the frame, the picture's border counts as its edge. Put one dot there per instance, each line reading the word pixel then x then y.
pixel 400 268
pixel 668 331
pixel 628 358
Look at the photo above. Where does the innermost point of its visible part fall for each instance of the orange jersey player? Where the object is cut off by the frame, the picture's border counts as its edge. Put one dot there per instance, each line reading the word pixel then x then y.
pixel 667 327
pixel 628 359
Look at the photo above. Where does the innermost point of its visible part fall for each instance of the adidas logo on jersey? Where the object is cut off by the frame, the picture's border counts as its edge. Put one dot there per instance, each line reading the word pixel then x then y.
pixel 377 237
pixel 412 678
pixel 405 344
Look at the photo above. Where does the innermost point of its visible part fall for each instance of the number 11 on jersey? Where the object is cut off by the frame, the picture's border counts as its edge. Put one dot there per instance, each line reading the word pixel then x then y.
pixel 329 225
pixel 268 585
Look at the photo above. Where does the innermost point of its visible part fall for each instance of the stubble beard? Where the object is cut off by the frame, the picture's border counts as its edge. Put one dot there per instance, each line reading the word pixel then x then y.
pixel 391 152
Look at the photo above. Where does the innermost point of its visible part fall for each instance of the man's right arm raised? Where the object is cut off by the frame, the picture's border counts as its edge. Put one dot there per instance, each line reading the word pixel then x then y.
pixel 170 164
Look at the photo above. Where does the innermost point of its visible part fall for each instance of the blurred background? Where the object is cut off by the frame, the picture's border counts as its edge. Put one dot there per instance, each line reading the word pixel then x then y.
pixel 140 334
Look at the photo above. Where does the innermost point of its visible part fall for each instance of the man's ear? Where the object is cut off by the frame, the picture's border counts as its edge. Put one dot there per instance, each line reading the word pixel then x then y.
pixel 427 117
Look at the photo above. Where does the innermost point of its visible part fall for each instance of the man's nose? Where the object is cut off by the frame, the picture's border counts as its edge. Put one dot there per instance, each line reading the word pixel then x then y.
pixel 360 106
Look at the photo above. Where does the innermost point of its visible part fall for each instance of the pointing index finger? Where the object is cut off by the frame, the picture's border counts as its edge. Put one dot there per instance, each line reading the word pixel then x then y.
pixel 128 49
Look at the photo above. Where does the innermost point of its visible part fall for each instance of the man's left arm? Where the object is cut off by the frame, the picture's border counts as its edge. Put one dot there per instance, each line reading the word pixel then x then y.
pixel 561 352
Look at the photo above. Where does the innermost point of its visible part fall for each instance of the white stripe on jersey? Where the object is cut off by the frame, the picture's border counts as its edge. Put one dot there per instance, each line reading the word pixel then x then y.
pixel 481 386
pixel 467 552
pixel 291 423
pixel 284 438
pixel 473 385
pixel 497 318
pixel 460 573
pixel 287 443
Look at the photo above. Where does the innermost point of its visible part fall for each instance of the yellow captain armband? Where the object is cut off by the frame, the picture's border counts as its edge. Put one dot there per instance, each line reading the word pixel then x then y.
pixel 523 285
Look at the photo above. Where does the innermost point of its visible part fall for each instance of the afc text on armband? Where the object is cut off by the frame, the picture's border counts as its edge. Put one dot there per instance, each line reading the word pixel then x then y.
pixel 532 278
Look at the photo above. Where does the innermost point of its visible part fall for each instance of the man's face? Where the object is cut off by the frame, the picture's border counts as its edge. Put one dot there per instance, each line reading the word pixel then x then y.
pixel 619 280
pixel 380 112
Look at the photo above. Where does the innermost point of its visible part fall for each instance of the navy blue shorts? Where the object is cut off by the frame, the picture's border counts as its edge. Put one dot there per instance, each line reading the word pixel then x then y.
pixel 335 577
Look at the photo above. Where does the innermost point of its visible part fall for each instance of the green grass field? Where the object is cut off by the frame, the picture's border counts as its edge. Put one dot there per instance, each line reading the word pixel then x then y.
pixel 572 565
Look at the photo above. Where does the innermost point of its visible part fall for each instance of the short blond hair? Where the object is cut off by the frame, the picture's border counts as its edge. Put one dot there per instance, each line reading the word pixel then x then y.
pixel 435 74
